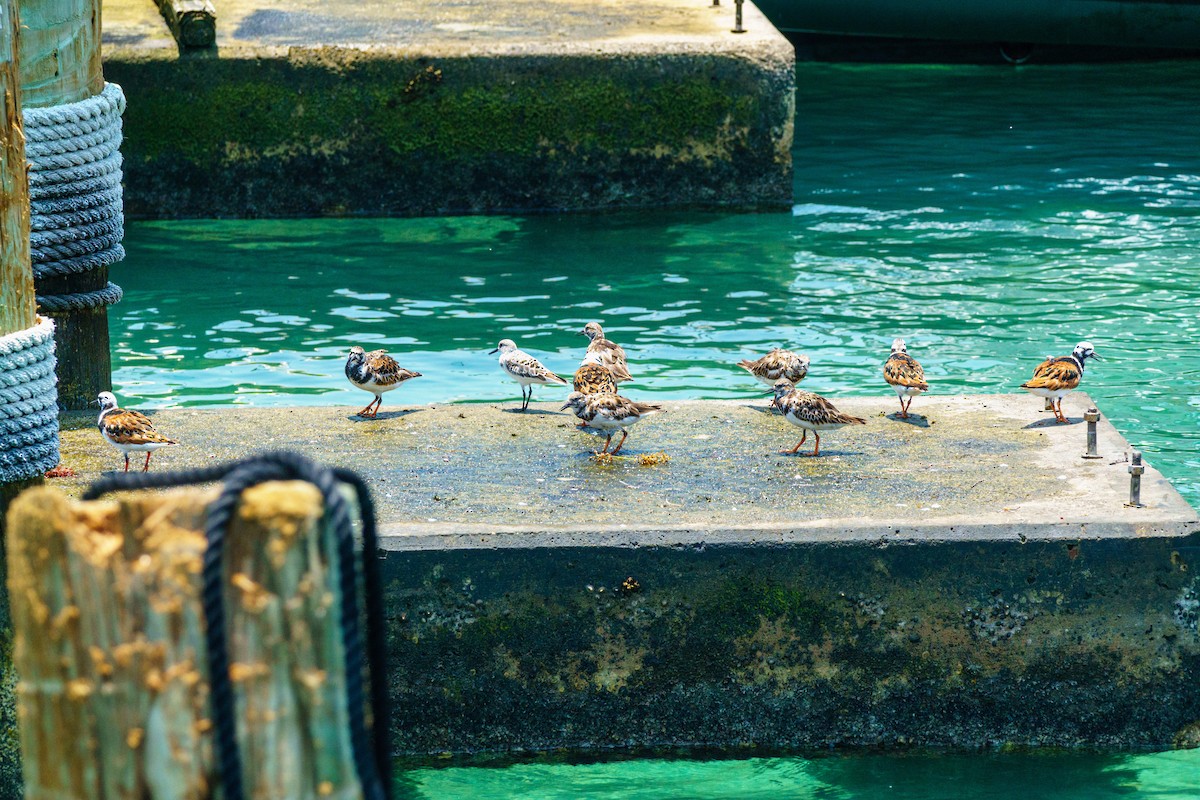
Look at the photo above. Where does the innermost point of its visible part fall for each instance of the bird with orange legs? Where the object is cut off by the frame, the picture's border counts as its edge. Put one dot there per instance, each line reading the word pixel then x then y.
pixel 811 412
pixel 1056 377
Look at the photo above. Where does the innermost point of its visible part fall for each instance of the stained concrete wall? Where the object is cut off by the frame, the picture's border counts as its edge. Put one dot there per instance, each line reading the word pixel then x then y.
pixel 441 108
pixel 962 644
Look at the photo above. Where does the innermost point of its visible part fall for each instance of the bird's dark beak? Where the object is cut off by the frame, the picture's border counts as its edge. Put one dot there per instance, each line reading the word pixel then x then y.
pixel 583 333
pixel 1096 356
pixel 564 408
pixel 492 353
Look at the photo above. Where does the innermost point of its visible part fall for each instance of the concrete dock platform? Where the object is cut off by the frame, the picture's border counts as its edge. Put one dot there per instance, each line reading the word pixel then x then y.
pixel 372 108
pixel 963 580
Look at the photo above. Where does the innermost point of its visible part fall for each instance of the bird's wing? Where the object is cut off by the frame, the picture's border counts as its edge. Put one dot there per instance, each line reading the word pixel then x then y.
pixel 386 370
pixel 131 427
pixel 594 379
pixel 526 366
pixel 1055 374
pixel 902 369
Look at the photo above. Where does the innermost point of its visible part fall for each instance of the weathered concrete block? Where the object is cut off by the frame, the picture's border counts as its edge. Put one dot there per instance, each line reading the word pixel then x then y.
pixel 436 108
pixel 925 640
pixel 965 579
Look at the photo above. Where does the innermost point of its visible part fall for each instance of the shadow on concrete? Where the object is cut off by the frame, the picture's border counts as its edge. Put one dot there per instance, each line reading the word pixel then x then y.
pixel 382 415
pixel 1052 423
pixel 536 412
pixel 916 420
pixel 763 409
pixel 807 453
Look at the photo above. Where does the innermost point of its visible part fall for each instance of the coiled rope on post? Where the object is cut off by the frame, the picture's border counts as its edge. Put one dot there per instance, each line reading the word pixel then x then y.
pixel 372 758
pixel 75 202
pixel 28 403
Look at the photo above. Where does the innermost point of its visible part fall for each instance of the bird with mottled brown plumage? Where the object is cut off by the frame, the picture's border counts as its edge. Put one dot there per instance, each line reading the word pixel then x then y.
pixel 1057 377
pixel 904 374
pixel 609 413
pixel 129 431
pixel 811 412
pixel 778 363
pixel 375 372
pixel 606 352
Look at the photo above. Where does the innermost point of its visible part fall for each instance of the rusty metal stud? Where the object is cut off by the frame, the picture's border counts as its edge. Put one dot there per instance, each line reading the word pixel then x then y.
pixel 1135 481
pixel 1091 417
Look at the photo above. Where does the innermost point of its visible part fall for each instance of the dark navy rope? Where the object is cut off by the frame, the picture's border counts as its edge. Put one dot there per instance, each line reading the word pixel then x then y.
pixel 371 764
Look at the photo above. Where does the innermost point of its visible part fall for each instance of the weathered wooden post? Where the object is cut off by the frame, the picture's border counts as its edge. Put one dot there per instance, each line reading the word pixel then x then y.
pixel 16 314
pixel 111 649
pixel 77 225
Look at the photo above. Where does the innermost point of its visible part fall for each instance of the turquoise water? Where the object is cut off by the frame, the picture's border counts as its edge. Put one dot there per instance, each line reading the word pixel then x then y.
pixel 1039 776
pixel 989 216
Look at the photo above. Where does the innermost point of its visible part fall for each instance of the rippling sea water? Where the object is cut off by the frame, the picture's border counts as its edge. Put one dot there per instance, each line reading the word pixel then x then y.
pixel 989 216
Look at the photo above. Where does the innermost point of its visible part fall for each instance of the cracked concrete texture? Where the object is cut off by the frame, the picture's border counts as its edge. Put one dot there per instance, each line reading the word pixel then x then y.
pixel 443 476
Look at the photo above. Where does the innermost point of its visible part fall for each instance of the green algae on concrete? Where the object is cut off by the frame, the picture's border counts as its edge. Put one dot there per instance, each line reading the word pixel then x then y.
pixel 442 107
pixel 964 579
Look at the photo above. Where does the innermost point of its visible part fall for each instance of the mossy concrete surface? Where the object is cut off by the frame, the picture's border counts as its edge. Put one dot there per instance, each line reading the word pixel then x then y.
pixel 304 108
pixel 963 579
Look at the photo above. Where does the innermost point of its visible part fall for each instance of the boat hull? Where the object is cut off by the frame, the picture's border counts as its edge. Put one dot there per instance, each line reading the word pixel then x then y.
pixel 1117 23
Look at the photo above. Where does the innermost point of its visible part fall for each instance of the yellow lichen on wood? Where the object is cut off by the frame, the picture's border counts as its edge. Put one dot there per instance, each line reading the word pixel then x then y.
pixel 116 585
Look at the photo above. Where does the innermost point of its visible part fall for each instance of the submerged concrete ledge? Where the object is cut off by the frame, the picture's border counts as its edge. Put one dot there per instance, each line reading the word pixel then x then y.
pixel 964 581
pixel 305 108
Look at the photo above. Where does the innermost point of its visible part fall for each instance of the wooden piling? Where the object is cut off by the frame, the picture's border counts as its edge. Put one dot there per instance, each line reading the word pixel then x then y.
pixel 17 313
pixel 113 695
pixel 60 64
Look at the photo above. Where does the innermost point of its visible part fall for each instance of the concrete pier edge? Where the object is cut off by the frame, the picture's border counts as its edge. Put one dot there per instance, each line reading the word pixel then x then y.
pixel 967 581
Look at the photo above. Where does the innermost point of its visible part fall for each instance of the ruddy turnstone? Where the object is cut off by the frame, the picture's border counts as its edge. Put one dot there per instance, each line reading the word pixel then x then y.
pixel 905 375
pixel 778 363
pixel 524 369
pixel 811 412
pixel 607 352
pixel 1057 376
pixel 129 431
pixel 375 372
pixel 609 413
pixel 592 377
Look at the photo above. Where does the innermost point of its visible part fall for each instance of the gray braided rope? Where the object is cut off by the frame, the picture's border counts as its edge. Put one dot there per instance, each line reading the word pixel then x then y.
pixel 58 146
pixel 92 169
pixel 71 120
pixel 76 210
pixel 38 194
pixel 28 403
pixel 77 216
pixel 77 158
pixel 91 234
pixel 78 264
pixel 58 303
pixel 54 252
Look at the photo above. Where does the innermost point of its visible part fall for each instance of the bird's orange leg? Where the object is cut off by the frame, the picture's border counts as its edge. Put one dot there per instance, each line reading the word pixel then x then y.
pixel 127 462
pixel 1058 412
pixel 903 409
pixel 817 449
pixel 607 442
pixel 371 412
pixel 797 447
pixel 624 436
pixel 146 466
